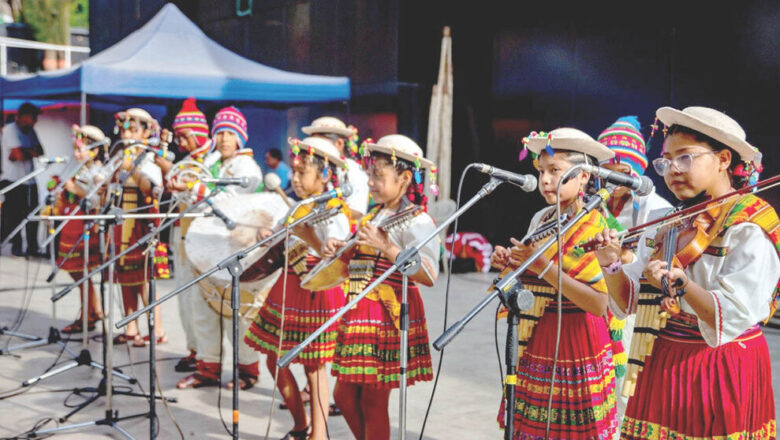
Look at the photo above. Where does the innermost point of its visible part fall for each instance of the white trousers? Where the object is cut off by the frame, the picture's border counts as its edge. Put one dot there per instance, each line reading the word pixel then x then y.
pixel 207 322
pixel 183 274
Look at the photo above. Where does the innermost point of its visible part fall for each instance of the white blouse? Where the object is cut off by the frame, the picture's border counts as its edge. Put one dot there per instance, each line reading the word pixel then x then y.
pixel 237 166
pixel 358 179
pixel 411 233
pixel 741 282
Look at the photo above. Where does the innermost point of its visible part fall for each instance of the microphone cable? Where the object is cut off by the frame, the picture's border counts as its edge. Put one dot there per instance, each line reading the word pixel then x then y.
pixel 446 300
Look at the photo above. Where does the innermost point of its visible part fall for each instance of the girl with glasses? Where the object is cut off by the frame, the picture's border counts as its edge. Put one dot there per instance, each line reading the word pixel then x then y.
pixel 708 374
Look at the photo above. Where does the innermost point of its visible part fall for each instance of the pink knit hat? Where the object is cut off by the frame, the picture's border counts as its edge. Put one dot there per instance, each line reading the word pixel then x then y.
pixel 191 118
pixel 230 118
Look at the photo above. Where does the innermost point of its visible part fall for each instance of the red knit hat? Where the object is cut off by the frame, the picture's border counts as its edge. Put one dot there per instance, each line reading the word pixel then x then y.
pixel 190 117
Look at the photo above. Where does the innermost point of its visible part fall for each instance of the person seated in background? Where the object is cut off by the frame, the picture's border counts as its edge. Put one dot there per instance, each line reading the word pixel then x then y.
pixel 276 165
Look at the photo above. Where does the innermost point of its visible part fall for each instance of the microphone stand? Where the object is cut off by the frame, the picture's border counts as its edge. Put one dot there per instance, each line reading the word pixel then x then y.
pixel 233 264
pixel 408 263
pixel 54 336
pixel 516 299
pixel 105 388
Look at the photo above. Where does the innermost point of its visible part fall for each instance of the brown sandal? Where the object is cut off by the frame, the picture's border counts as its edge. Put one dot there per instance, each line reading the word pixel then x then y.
pixel 247 381
pixel 76 327
pixel 196 381
pixel 124 338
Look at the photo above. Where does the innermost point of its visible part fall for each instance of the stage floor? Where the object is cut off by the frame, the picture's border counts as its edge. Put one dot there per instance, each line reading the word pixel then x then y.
pixel 465 405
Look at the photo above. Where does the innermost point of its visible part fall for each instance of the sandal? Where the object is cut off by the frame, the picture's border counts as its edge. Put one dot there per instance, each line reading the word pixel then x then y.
pixel 303 434
pixel 124 338
pixel 76 327
pixel 187 364
pixel 247 381
pixel 162 339
pixel 196 381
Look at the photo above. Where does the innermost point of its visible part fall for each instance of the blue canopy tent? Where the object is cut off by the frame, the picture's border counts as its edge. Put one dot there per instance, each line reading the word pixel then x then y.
pixel 170 58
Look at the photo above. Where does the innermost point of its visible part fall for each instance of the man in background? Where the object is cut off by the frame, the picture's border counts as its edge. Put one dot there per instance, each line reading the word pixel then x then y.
pixel 276 165
pixel 18 148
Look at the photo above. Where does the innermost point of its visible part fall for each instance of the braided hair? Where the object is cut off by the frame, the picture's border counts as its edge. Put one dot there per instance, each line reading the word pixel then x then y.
pixel 321 166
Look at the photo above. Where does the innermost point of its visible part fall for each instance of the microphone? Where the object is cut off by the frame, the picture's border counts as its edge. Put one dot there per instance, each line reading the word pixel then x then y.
pixel 243 182
pixel 345 190
pixel 48 160
pixel 151 141
pixel 526 182
pixel 642 185
pixel 230 224
pixel 166 154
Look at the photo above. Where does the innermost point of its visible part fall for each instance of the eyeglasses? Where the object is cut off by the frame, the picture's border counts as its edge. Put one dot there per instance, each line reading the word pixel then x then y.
pixel 682 162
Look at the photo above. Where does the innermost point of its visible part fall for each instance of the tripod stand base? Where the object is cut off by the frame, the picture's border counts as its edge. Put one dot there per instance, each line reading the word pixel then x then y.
pixel 110 420
pixel 83 358
pixel 100 391
pixel 36 341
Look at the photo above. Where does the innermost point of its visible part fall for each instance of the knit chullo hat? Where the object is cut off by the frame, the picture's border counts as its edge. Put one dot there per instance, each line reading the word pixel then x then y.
pixel 625 139
pixel 230 118
pixel 192 119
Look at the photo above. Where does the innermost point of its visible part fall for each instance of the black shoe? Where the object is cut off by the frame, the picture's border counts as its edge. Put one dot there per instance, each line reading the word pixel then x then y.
pixel 17 252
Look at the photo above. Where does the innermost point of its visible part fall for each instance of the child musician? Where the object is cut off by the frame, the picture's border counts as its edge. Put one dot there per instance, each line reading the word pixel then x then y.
pixel 366 363
pixel 628 210
pixel 231 158
pixel 584 389
pixel 75 189
pixel 136 125
pixel 291 313
pixel 709 372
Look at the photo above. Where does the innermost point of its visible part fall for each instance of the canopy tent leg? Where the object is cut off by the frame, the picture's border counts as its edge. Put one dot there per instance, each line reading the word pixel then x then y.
pixel 83 116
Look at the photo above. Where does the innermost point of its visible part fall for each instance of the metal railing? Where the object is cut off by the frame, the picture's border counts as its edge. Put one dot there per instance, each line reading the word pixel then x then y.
pixel 6 42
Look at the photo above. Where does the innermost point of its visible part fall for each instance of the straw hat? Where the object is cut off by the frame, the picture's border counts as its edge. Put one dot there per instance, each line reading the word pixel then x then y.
pixel 329 125
pixel 90 131
pixel 569 139
pixel 318 147
pixel 137 114
pixel 712 123
pixel 399 146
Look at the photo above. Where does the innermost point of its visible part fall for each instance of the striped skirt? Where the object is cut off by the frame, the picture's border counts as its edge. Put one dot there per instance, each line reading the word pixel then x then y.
pixel 304 312
pixel 689 390
pixel 368 351
pixel 584 395
pixel 71 233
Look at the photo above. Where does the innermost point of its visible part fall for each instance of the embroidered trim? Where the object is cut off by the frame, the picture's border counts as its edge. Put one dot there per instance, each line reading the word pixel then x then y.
pixel 717 251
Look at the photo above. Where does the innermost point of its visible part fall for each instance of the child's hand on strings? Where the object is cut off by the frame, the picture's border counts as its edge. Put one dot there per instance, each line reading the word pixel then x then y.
pixel 370 235
pixel 500 257
pixel 521 253
pixel 332 246
pixel 656 271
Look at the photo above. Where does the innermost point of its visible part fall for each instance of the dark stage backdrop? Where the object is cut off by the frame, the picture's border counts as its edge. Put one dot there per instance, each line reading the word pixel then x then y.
pixel 519 66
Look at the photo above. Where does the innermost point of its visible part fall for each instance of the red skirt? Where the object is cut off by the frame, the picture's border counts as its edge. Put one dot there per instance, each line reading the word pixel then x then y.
pixel 689 390
pixel 130 269
pixel 368 351
pixel 71 233
pixel 584 396
pixel 304 312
